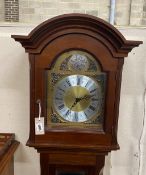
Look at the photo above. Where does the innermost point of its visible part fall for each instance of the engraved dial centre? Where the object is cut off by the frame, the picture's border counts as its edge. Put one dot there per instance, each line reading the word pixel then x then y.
pixel 77 98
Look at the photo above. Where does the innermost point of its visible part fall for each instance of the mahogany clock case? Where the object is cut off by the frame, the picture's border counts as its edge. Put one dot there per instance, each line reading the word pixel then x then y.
pixel 48 41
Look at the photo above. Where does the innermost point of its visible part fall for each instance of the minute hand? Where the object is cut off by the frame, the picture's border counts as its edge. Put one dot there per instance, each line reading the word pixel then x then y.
pixel 75 102
pixel 86 97
pixel 81 98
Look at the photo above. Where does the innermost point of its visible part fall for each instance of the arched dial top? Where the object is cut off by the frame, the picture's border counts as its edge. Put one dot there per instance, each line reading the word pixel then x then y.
pixel 76 61
pixel 77 88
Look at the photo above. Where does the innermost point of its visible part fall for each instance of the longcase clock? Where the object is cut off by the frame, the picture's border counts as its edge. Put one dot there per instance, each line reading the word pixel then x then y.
pixel 75 75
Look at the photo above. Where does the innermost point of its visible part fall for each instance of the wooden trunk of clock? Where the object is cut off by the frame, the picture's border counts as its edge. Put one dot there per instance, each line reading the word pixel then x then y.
pixel 75 76
pixel 73 164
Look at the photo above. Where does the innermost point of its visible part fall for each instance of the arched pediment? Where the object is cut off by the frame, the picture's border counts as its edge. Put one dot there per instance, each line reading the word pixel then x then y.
pixel 84 24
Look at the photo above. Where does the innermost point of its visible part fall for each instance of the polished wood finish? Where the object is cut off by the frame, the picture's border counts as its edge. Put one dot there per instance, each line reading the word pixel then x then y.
pixel 75 149
pixel 8 146
pixel 89 164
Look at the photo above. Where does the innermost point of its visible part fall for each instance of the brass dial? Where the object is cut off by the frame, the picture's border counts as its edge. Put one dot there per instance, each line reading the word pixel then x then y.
pixel 77 98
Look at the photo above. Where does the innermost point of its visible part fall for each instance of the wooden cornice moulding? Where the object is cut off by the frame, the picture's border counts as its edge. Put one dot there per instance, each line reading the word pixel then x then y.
pixel 69 148
pixel 83 24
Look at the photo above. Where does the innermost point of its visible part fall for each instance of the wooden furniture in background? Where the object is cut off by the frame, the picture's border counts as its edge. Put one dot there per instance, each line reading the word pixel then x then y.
pixel 8 146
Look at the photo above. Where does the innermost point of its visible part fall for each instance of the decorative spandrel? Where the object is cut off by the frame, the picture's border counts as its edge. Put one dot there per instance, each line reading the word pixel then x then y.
pixel 76 91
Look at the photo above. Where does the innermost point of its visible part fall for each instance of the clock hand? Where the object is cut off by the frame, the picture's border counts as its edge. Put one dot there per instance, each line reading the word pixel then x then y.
pixel 86 97
pixel 81 98
pixel 75 102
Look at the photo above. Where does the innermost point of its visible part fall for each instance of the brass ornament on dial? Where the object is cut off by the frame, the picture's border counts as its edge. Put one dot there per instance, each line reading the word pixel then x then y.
pixel 78 62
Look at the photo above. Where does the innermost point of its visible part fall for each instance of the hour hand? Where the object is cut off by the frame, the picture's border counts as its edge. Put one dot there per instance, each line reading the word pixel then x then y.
pixel 75 102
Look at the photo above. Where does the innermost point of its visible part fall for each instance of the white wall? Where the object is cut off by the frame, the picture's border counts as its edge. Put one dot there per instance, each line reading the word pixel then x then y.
pixel 14 98
pixel 126 160
pixel 14 104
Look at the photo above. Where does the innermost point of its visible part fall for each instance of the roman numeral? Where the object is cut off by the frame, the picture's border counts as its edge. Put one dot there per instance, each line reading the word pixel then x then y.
pixel 68 82
pixel 76 116
pixel 94 99
pixel 61 89
pixel 85 114
pixel 58 98
pixel 78 80
pixel 92 108
pixel 61 106
pixel 87 84
pixel 68 112
pixel 93 90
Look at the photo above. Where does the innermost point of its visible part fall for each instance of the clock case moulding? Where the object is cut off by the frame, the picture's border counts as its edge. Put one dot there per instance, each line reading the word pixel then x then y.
pixel 80 32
